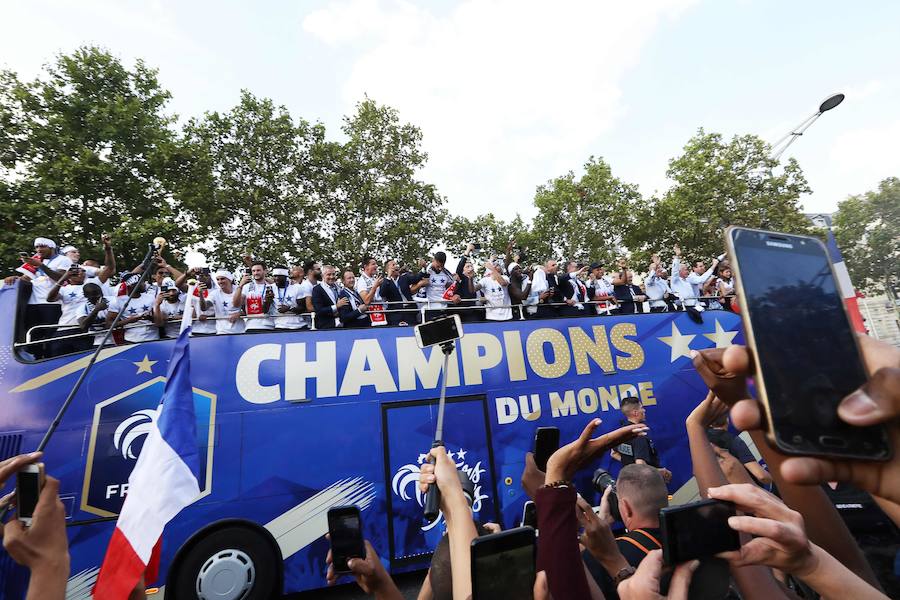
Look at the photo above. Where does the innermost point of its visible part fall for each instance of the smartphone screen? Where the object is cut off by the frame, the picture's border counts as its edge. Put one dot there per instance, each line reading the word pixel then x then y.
pixel 805 347
pixel 28 489
pixel 503 565
pixel 546 442
pixel 529 515
pixel 345 529
pixel 438 331
pixel 696 530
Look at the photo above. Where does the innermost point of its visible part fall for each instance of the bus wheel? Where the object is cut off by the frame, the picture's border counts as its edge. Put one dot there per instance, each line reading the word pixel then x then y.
pixel 233 563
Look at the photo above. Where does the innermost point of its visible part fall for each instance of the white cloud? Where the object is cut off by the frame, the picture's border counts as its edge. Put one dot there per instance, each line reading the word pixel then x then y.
pixel 507 93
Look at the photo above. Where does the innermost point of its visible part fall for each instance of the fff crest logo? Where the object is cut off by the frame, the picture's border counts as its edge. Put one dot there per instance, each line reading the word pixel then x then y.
pixel 121 425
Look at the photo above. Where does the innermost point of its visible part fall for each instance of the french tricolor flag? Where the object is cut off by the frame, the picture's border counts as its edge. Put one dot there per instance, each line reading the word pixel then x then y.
pixel 845 287
pixel 163 482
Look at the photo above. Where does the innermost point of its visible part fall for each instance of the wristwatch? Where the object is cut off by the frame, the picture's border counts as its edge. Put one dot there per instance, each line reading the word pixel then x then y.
pixel 623 574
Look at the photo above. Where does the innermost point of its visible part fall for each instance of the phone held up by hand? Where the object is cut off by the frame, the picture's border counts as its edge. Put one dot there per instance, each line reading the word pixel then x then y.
pixel 345 531
pixel 697 530
pixel 503 565
pixel 546 442
pixel 29 483
pixel 807 355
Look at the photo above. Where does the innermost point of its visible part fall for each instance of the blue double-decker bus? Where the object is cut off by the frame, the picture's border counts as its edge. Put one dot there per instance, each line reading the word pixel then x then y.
pixel 293 423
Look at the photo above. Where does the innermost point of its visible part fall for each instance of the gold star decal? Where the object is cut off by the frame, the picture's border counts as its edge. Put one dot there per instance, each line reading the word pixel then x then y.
pixel 145 366
pixel 722 338
pixel 679 342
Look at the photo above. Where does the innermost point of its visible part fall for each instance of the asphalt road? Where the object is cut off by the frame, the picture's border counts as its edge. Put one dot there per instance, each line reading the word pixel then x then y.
pixel 409 584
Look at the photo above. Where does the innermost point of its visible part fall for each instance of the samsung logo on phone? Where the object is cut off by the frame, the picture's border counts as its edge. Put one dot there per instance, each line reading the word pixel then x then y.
pixel 779 244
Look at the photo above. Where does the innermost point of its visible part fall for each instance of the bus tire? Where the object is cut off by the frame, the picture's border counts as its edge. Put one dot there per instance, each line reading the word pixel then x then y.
pixel 231 563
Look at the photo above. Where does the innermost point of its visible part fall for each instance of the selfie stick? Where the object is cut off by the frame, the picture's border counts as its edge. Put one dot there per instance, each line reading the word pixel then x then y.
pixel 433 496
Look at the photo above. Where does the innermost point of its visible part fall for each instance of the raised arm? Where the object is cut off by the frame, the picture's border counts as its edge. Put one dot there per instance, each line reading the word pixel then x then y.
pixel 237 300
pixel 109 259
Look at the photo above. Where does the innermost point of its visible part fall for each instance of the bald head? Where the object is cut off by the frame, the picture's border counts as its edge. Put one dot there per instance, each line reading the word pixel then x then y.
pixel 642 493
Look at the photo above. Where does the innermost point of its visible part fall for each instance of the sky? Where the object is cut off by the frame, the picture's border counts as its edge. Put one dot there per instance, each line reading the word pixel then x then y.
pixel 512 93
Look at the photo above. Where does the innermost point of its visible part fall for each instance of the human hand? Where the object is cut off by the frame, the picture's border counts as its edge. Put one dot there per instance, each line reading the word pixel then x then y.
pixel 455 299
pixel 369 573
pixel 605 513
pixel 707 412
pixel 779 540
pixel 596 536
pixel 644 584
pixel 233 318
pixel 342 302
pixel 665 474
pixel 875 402
pixel 103 304
pixel 563 463
pixel 544 295
pixel 570 301
pixel 202 317
pixel 245 279
pixel 30 260
pixel 676 249
pixel 443 473
pixel 731 467
pixel 106 240
pixel 493 527
pixel 532 477
pixel 654 259
pixel 726 384
pixel 11 466
pixel 362 308
pixel 10 280
pixel 469 247
pixel 44 546
pixel 283 308
pixel 269 293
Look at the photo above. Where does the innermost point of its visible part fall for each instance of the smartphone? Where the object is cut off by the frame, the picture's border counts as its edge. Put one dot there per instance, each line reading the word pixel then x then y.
pixel 697 530
pixel 204 270
pixel 24 255
pixel 439 331
pixel 345 530
pixel 807 355
pixel 29 483
pixel 546 442
pixel 529 515
pixel 503 565
pixel 476 246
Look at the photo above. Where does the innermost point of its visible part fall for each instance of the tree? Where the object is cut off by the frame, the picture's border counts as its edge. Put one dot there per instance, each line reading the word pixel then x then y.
pixel 375 205
pixel 583 219
pixel 867 229
pixel 492 233
pixel 718 183
pixel 258 177
pixel 88 148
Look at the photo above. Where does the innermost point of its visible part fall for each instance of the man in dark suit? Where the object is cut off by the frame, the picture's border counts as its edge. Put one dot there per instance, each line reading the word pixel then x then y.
pixel 398 290
pixel 629 296
pixel 572 291
pixel 355 312
pixel 546 284
pixel 326 301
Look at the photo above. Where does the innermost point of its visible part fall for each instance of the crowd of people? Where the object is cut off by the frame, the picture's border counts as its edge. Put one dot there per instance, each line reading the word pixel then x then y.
pixel 793 544
pixel 74 301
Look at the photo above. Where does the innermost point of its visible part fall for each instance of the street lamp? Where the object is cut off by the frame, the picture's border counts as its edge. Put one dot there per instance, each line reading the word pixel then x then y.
pixel 781 145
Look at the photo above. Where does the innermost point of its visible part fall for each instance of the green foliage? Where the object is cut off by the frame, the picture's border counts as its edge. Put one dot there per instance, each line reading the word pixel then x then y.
pixel 584 219
pixel 373 203
pixel 867 229
pixel 716 184
pixel 93 151
pixel 255 178
pixel 492 233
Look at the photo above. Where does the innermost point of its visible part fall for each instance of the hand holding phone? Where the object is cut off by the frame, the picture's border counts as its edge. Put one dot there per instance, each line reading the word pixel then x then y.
pixel 29 483
pixel 345 533
pixel 697 530
pixel 546 442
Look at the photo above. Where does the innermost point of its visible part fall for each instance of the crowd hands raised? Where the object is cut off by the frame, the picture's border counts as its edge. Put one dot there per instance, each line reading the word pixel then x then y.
pixel 793 545
pixel 73 301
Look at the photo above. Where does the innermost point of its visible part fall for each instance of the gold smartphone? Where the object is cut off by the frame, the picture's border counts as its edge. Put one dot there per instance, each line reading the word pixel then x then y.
pixel 806 353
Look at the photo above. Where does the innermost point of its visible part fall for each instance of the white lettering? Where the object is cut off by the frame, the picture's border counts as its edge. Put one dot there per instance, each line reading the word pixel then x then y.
pixel 587 401
pixel 563 406
pixel 532 413
pixel 474 361
pixel 248 371
pixel 412 364
pixel 367 353
pixel 507 410
pixel 298 369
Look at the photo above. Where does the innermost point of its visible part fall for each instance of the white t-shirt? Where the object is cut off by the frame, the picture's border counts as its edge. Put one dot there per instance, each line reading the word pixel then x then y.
pixel 41 284
pixel 141 304
pixel 73 301
pixel 105 288
pixel 224 309
pixel 198 326
pixel 438 282
pixel 304 292
pixel 364 283
pixel 100 323
pixel 173 310
pixel 288 296
pixel 496 295
pixel 254 296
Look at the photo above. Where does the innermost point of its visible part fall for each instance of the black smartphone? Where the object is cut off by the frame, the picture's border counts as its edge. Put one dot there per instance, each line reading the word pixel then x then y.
pixel 529 514
pixel 807 355
pixel 29 482
pixel 204 270
pixel 503 565
pixel 546 442
pixel 476 246
pixel 439 331
pixel 345 530
pixel 697 530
